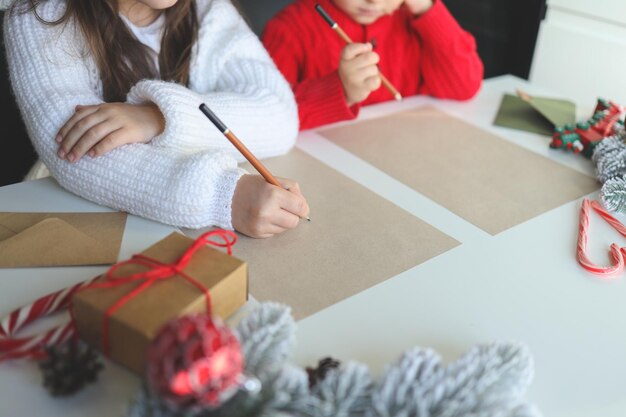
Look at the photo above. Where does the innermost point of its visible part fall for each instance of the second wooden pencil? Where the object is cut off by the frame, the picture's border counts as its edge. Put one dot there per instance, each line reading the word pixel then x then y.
pixel 343 35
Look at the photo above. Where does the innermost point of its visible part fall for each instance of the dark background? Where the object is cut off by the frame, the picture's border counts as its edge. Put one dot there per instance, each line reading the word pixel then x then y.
pixel 505 31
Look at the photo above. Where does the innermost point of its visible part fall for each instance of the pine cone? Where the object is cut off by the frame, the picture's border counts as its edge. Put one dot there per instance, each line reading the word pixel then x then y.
pixel 323 366
pixel 68 367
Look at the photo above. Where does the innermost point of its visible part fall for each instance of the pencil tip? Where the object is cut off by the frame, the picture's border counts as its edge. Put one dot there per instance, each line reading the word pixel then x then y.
pixel 308 219
pixel 398 97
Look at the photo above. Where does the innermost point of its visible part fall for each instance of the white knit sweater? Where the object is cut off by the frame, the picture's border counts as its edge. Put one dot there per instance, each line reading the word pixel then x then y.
pixel 187 175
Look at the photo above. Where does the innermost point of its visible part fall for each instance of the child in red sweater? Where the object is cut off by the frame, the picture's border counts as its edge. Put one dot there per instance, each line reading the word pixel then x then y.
pixel 418 46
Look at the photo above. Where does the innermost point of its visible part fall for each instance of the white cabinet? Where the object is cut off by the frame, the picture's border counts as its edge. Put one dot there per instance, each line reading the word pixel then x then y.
pixel 612 11
pixel 581 50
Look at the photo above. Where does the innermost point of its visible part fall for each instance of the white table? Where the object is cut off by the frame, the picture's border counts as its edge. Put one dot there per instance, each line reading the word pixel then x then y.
pixel 523 284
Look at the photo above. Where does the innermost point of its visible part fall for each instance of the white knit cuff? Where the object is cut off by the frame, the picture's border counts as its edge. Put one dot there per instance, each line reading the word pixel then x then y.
pixel 223 197
pixel 185 128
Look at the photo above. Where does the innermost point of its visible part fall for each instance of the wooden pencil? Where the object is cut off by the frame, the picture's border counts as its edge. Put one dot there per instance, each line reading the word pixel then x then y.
pixel 241 147
pixel 343 35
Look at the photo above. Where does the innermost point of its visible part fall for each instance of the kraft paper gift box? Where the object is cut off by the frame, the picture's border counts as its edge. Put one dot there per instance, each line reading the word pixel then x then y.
pixel 131 327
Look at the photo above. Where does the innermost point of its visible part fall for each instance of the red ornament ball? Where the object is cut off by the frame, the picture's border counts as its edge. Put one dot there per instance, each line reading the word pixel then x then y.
pixel 195 361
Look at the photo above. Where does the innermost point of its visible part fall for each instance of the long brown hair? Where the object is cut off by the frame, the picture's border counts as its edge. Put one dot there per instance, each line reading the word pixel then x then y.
pixel 120 57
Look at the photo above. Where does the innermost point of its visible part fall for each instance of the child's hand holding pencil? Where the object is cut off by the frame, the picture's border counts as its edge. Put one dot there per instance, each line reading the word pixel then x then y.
pixel 262 206
pixel 349 53
pixel 358 72
pixel 261 209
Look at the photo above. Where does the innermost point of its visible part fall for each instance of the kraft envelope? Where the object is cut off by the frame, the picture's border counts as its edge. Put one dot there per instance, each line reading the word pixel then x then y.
pixel 60 239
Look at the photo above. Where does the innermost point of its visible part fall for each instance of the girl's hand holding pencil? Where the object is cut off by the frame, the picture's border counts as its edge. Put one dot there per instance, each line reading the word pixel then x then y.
pixel 261 209
pixel 262 206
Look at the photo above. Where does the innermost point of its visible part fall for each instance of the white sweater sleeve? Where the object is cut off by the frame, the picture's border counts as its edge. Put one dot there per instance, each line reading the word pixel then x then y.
pixel 234 75
pixel 50 76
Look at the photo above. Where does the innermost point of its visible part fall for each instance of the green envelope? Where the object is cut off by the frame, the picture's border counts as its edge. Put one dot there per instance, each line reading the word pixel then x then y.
pixel 537 114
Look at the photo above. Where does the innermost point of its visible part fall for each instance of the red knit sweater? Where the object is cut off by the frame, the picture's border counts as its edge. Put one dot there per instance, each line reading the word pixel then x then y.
pixel 429 54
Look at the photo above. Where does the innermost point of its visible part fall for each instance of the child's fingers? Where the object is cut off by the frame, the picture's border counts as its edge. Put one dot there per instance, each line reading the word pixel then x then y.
pixel 91 137
pixel 291 185
pixel 293 203
pixel 367 72
pixel 373 83
pixel 352 50
pixel 359 63
pixel 80 107
pixel 274 222
pixel 270 230
pixel 113 140
pixel 365 60
pixel 285 220
pixel 80 113
pixel 77 131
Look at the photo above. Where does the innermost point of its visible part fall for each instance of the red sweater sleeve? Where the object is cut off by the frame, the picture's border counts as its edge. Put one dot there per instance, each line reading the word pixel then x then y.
pixel 450 65
pixel 320 100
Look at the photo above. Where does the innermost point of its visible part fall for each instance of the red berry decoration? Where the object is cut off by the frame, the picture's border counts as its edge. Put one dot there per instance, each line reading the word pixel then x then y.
pixel 195 361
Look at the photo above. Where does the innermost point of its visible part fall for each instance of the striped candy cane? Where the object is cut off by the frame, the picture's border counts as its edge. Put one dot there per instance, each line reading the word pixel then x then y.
pixel 12 347
pixel 616 254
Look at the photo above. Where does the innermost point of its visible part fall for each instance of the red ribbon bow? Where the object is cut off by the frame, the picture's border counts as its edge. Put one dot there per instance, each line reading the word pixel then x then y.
pixel 158 271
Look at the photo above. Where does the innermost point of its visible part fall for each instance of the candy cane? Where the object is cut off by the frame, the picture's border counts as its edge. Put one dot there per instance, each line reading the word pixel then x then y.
pixel 616 254
pixel 12 347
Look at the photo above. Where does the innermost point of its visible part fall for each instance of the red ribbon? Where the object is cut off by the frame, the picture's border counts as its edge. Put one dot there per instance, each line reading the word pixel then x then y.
pixel 158 271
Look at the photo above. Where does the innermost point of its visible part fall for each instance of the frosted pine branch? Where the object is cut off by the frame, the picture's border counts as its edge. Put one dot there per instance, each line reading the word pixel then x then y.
pixel 613 194
pixel 487 381
pixel 344 392
pixel 610 158
pixel 266 336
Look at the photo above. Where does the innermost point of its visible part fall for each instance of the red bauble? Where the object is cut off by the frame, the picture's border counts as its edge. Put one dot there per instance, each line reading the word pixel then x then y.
pixel 195 361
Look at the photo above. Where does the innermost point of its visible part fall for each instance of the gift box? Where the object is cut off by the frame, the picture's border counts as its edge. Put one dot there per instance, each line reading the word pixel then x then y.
pixel 124 309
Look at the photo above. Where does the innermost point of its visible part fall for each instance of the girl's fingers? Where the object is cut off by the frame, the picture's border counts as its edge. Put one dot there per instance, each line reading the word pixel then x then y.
pixel 268 230
pixel 81 125
pixel 113 140
pixel 285 220
pixel 290 185
pixel 91 138
pixel 79 113
pixel 293 204
pixel 274 229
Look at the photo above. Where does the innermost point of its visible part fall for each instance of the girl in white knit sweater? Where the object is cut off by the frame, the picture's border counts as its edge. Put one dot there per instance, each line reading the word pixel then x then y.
pixel 110 89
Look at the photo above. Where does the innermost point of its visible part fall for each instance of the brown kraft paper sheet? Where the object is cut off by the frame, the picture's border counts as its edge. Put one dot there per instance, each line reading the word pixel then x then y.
pixel 356 239
pixel 482 178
